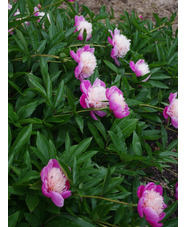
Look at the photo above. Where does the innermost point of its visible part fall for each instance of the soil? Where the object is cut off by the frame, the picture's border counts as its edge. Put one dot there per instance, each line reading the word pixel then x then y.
pixel 146 8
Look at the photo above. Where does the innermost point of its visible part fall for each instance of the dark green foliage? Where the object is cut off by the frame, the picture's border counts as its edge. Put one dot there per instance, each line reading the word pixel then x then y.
pixel 108 158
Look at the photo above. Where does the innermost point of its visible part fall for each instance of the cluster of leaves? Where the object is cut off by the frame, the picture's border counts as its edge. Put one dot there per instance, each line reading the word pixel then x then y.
pixel 109 157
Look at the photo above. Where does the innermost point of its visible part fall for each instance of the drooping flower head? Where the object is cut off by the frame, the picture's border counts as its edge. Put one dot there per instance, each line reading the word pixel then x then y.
pixel 120 43
pixel 82 25
pixel 151 203
pixel 140 68
pixel 117 102
pixel 176 191
pixel 55 184
pixel 172 109
pixel 94 97
pixel 86 62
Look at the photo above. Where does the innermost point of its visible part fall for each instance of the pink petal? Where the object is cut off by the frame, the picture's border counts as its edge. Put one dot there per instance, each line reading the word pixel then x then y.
pixel 93 115
pixel 174 122
pixel 140 207
pixel 132 65
pixel 110 40
pixel 140 191
pixel 82 101
pixel 66 194
pixel 57 199
pixel 151 216
pixel 172 96
pixel 165 112
pixel 84 86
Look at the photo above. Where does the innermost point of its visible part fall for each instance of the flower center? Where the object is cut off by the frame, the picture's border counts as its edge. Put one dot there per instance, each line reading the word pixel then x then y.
pixel 89 62
pixel 154 200
pixel 143 68
pixel 56 180
pixel 97 97
pixel 122 44
pixel 119 99
pixel 173 109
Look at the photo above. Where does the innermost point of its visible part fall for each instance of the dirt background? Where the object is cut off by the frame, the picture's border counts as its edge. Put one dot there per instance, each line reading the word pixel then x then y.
pixel 146 8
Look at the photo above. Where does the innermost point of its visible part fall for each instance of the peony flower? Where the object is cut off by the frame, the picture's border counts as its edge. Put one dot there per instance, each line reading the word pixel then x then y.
pixel 9 6
pixel 117 102
pixel 120 43
pixel 176 191
pixel 55 184
pixel 172 109
pixel 140 16
pixel 82 24
pixel 151 203
pixel 140 68
pixel 94 97
pixel 71 0
pixel 86 62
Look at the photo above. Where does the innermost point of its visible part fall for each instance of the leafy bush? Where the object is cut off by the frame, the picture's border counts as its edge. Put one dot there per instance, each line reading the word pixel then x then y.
pixel 109 158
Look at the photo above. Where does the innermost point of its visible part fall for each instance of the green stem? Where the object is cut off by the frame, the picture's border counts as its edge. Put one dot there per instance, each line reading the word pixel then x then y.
pixel 82 111
pixel 155 107
pixel 158 27
pixel 37 55
pixel 103 198
pixel 91 44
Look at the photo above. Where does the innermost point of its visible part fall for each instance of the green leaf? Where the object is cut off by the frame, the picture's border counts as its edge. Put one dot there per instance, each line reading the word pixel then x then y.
pixel 32 219
pixel 119 214
pixel 106 181
pixel 171 223
pixel 69 32
pixel 43 148
pixel 37 86
pixel 75 172
pixel 86 156
pixel 157 84
pixel 71 98
pixel 82 147
pixel 151 134
pixel 12 219
pixel 32 201
pixel 170 210
pixel 96 135
pixel 136 145
pixel 22 138
pixel 164 136
pixel 27 110
pixel 59 94
pixel 20 39
pixel 111 66
pixel 80 122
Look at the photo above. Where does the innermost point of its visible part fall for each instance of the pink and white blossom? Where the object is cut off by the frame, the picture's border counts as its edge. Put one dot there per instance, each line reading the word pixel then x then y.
pixel 86 62
pixel 176 191
pixel 55 184
pixel 94 97
pixel 140 68
pixel 82 25
pixel 172 109
pixel 117 102
pixel 9 6
pixel 120 43
pixel 151 203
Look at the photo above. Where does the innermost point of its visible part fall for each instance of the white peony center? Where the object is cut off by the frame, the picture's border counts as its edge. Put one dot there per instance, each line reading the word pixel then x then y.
pixel 143 68
pixel 97 97
pixel 119 99
pixel 87 26
pixel 173 109
pixel 122 44
pixel 154 200
pixel 56 180
pixel 89 62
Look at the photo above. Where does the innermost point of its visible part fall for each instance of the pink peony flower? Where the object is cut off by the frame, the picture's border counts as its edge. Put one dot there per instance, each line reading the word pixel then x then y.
pixel 120 43
pixel 55 184
pixel 176 191
pixel 140 16
pixel 151 203
pixel 94 97
pixel 86 62
pixel 82 24
pixel 140 68
pixel 71 0
pixel 9 6
pixel 117 102
pixel 172 109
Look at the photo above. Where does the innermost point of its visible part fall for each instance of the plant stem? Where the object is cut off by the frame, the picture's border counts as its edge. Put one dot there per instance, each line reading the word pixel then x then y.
pixel 81 111
pixel 155 107
pixel 37 55
pixel 159 27
pixel 175 174
pixel 91 44
pixel 103 198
